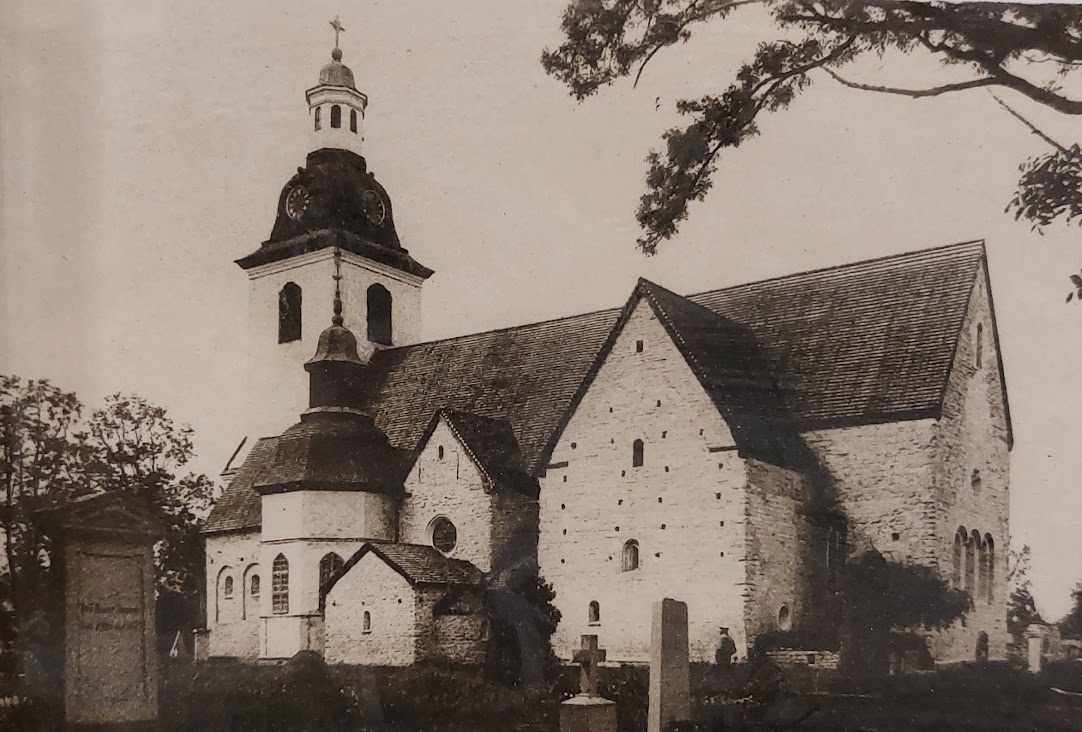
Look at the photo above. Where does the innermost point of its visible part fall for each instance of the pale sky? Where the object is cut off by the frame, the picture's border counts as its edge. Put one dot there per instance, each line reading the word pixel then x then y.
pixel 143 146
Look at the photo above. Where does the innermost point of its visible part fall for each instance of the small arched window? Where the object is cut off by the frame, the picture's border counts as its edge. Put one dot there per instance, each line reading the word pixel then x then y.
pixel 975 481
pixel 439 452
pixel 636 454
pixel 227 588
pixel 336 116
pixel 631 555
pixel 980 344
pixel 280 585
pixel 353 120
pixel 330 564
pixel 990 562
pixel 379 314
pixel 785 618
pixel 594 612
pixel 289 313
pixel 366 622
pixel 254 587
pixel 319 121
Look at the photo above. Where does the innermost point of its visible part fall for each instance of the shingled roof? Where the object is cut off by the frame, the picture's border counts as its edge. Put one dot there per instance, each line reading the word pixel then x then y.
pixel 418 563
pixel 866 342
pixel 492 446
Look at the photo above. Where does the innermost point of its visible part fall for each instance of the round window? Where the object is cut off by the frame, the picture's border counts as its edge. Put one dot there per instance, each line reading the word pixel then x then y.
pixel 444 535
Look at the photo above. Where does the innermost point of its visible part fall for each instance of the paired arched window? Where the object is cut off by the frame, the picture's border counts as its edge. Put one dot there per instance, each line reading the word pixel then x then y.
pixel 289 313
pixel 593 613
pixel 971 563
pixel 330 564
pixel 280 585
pixel 975 564
pixel 227 587
pixel 366 622
pixel 353 120
pixel 631 555
pixel 319 123
pixel 379 314
pixel 336 116
pixel 636 454
pixel 980 344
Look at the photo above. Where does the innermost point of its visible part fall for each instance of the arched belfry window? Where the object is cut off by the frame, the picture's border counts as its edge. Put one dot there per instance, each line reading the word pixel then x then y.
pixel 379 314
pixel 593 613
pixel 330 564
pixel 289 313
pixel 636 454
pixel 280 585
pixel 319 122
pixel 631 555
pixel 980 344
pixel 353 120
pixel 336 116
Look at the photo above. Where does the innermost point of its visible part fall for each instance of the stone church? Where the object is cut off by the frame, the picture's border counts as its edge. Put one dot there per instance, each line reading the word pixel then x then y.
pixel 729 448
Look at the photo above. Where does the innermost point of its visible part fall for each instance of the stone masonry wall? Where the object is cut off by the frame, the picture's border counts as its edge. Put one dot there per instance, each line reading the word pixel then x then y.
pixel 777 538
pixel 234 622
pixel 685 506
pixel 371 586
pixel 972 435
pixel 451 487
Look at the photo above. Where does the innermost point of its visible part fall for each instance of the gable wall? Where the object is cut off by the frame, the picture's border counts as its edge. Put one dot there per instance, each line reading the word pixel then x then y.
pixel 972 434
pixel 451 487
pixel 591 507
pixel 373 586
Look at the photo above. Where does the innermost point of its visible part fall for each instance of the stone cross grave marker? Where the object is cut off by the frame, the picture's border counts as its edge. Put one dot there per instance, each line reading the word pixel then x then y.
pixel 670 694
pixel 105 548
pixel 588 711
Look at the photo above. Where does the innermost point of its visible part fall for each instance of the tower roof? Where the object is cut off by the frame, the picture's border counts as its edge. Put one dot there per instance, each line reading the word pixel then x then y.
pixel 337 73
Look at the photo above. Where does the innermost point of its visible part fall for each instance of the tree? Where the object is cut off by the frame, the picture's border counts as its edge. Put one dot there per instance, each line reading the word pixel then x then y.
pixel 1071 625
pixel 883 596
pixel 50 454
pixel 1026 49
pixel 1021 607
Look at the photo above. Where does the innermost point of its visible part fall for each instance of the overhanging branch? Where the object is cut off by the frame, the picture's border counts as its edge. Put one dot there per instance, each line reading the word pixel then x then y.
pixel 915 93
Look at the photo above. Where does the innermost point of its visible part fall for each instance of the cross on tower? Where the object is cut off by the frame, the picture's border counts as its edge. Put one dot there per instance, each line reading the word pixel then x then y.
pixel 338 28
pixel 588 657
pixel 337 319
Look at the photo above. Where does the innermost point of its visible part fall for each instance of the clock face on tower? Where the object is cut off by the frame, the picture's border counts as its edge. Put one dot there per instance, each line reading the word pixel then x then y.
pixel 374 210
pixel 297 202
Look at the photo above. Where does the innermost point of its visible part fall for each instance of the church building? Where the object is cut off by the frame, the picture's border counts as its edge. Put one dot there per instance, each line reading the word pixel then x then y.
pixel 729 448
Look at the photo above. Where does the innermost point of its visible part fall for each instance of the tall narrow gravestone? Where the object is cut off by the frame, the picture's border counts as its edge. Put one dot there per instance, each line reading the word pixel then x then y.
pixel 670 693
pixel 110 645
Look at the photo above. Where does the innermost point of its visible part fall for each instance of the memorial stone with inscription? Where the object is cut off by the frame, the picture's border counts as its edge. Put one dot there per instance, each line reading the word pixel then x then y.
pixel 110 643
pixel 670 696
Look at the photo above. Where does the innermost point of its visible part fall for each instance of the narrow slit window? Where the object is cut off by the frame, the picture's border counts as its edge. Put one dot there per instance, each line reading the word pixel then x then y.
pixel 353 120
pixel 636 454
pixel 980 344
pixel 366 622
pixel 319 120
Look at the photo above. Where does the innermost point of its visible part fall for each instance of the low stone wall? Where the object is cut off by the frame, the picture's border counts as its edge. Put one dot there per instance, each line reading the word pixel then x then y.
pixel 812 659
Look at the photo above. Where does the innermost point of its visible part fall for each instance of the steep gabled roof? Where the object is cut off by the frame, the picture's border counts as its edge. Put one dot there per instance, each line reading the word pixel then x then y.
pixel 418 563
pixel 859 343
pixel 491 445
pixel 238 507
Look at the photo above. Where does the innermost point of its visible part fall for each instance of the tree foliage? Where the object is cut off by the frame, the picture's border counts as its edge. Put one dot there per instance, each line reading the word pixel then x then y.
pixel 995 45
pixel 50 453
pixel 1021 607
pixel 1071 625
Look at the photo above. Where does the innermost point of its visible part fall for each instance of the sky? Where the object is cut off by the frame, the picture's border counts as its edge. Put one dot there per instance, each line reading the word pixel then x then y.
pixel 143 146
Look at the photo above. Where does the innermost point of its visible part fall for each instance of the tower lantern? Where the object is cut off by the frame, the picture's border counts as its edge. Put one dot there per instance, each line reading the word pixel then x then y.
pixel 336 109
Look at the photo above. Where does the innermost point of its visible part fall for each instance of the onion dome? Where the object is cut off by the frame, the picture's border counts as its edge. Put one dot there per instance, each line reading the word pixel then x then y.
pixel 337 73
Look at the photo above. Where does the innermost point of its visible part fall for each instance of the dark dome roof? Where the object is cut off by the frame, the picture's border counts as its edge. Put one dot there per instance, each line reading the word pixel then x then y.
pixel 337 73
pixel 337 343
pixel 339 451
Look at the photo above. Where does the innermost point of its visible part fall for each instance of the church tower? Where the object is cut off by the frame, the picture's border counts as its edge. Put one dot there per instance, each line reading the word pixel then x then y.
pixel 333 202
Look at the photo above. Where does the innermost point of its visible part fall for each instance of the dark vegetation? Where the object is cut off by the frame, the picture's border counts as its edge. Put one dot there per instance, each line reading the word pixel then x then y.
pixel 1030 52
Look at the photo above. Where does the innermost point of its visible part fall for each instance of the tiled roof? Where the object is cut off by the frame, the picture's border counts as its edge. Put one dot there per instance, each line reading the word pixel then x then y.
pixel 418 563
pixel 864 342
pixel 238 506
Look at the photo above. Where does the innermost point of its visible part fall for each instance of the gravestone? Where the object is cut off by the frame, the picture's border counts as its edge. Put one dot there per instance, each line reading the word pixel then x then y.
pixel 670 695
pixel 1035 635
pixel 105 549
pixel 588 711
